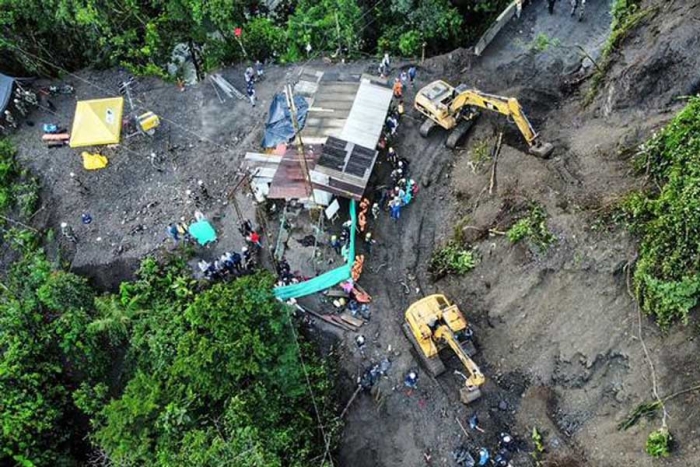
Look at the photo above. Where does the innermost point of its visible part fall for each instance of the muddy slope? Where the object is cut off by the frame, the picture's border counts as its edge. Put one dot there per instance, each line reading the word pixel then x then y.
pixel 557 329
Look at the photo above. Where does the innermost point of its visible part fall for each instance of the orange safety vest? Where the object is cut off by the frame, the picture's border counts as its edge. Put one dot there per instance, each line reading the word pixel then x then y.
pixel 362 220
pixel 357 267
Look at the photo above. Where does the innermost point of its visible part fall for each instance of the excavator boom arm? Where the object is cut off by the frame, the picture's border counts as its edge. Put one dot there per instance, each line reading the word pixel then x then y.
pixel 508 106
pixel 476 377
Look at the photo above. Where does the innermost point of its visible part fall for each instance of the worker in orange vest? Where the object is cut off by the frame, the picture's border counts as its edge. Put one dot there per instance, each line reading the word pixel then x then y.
pixel 398 89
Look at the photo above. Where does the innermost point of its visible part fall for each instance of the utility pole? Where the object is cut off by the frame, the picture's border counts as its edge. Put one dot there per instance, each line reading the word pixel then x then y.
pixel 288 91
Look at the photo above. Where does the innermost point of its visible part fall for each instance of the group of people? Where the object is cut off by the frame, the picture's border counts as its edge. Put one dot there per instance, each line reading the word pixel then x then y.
pixel 229 265
pixel 251 76
pixel 233 265
pixel 402 189
pixel 576 6
pixel 22 100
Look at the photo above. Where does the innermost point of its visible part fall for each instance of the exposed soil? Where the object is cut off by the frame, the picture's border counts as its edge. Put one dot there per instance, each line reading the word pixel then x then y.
pixel 556 330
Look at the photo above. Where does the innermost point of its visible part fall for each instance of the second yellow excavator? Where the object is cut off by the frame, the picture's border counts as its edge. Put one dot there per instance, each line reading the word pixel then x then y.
pixel 433 324
pixel 456 109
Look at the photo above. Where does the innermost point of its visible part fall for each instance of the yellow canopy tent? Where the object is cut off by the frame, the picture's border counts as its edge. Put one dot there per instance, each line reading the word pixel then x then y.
pixel 97 122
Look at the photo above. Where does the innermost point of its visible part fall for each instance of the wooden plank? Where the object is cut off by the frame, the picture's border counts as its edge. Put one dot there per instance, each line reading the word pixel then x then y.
pixel 348 318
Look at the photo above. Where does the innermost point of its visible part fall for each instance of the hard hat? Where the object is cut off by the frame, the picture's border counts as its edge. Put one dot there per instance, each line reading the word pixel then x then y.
pixel 334 238
pixel 244 249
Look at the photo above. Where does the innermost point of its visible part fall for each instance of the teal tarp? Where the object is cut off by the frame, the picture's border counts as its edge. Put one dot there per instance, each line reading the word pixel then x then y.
pixel 327 279
pixel 203 232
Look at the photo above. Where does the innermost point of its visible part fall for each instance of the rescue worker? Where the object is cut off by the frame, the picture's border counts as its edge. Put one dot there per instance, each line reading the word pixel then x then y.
pixel 392 157
pixel 369 241
pixel 10 119
pixel 259 68
pixel 580 4
pixel 398 89
pixel 336 244
pixel 251 93
pixel 67 232
pixel 21 108
pixel 411 380
pixel 404 78
pixel 384 67
pixel 173 233
pixel 249 75
pixel 375 211
pixel 395 206
pixel 412 75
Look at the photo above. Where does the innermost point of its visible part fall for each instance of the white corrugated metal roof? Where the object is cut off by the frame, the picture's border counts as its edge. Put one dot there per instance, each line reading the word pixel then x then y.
pixel 367 115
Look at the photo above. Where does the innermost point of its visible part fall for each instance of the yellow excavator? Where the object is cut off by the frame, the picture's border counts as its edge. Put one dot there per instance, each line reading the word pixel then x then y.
pixel 433 324
pixel 456 109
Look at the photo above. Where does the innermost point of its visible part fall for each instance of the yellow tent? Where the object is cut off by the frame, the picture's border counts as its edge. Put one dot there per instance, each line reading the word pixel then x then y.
pixel 97 122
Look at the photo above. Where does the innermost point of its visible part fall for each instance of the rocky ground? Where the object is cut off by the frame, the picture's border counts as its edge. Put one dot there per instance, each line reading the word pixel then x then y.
pixel 557 332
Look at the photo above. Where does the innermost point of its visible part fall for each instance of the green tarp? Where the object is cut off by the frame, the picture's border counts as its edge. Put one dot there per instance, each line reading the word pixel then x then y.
pixel 203 232
pixel 327 279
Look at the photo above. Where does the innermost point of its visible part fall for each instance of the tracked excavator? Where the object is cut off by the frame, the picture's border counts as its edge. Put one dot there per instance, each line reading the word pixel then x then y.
pixel 456 110
pixel 433 324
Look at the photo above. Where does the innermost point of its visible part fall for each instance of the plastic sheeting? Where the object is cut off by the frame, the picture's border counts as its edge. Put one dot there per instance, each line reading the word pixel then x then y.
pixel 94 161
pixel 279 127
pixel 6 85
pixel 203 232
pixel 327 279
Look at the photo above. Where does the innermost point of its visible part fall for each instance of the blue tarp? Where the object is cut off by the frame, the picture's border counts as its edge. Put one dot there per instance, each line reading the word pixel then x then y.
pixel 6 84
pixel 327 279
pixel 279 128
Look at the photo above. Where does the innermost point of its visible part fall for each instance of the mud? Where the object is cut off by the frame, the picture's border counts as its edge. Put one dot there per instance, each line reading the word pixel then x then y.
pixel 556 329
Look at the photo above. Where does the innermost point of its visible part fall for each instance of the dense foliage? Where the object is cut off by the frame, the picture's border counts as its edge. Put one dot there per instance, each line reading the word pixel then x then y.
pixel 451 259
pixel 48 359
pixel 215 378
pixel 209 377
pixel 667 218
pixel 18 188
pixel 36 35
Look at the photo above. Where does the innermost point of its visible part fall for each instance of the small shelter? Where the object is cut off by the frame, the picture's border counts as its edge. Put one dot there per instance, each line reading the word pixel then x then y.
pixel 97 122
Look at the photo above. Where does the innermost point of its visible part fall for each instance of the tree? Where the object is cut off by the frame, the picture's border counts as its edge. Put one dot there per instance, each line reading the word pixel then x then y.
pixel 217 379
pixel 325 25
pixel 46 352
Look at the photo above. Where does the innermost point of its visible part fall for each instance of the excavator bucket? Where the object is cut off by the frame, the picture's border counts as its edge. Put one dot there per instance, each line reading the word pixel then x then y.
pixel 542 150
pixel 467 396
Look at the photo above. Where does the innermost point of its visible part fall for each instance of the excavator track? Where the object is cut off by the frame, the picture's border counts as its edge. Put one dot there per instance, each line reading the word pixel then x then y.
pixel 458 133
pixel 433 366
pixel 426 127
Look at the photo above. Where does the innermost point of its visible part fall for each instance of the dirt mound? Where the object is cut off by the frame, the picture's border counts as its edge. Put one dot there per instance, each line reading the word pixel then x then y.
pixel 659 61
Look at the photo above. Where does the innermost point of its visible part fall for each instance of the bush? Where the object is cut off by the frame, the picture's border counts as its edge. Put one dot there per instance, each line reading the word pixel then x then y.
pixel 659 443
pixel 410 43
pixel 451 259
pixel 263 39
pixel 667 219
pixel 532 227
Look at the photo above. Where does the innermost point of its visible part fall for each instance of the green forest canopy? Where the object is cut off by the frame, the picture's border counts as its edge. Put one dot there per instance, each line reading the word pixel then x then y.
pixel 37 34
pixel 166 372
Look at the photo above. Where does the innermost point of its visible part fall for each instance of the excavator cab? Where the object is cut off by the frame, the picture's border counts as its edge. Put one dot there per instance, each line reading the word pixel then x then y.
pixel 433 324
pixel 456 110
